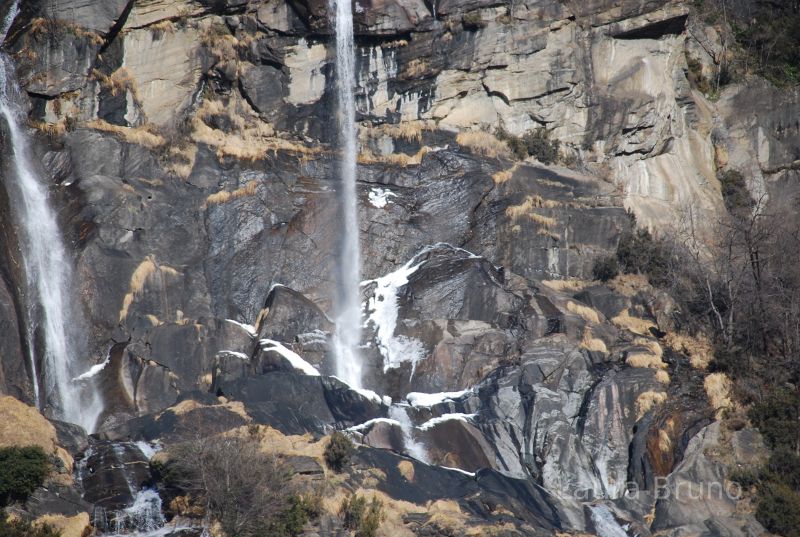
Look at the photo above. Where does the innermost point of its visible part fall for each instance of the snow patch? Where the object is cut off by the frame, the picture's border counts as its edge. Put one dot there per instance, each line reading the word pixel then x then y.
pixel 431 399
pixel 292 357
pixel 147 449
pixel 605 523
pixel 369 423
pixel 249 328
pixel 379 197
pixel 382 313
pixel 369 394
pixel 459 470
pixel 94 370
pixel 237 354
pixel 431 423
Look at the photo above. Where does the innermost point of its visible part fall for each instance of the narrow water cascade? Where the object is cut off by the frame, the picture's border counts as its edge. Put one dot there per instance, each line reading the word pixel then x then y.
pixel 52 322
pixel 348 310
pixel 413 447
pixel 115 478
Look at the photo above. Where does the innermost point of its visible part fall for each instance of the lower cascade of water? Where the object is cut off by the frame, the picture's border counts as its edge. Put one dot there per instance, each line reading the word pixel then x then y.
pixel 115 477
pixel 412 446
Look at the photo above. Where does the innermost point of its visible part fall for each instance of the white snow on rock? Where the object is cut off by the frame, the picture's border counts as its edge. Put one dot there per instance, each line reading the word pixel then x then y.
pixel 94 370
pixel 292 357
pixel 237 354
pixel 369 423
pixel 382 313
pixel 379 197
pixel 249 328
pixel 431 399
pixel 605 523
pixel 431 423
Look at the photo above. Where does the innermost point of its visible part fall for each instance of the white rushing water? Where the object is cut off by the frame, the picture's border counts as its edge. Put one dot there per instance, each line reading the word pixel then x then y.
pixel 50 318
pixel 348 311
pixel 413 447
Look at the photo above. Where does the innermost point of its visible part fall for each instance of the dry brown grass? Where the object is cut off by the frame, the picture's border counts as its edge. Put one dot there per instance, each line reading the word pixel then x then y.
pixel 144 135
pixel 629 284
pixel 50 129
pixel 117 82
pixel 395 159
pixel 633 324
pixel 416 67
pixel 526 210
pixel 144 272
pixel 572 285
pixel 698 349
pixel 251 140
pixel 588 314
pixel 591 343
pixel 225 196
pixel 650 358
pixel 718 390
pixel 74 526
pixel 502 176
pixel 483 143
pixel 410 131
pixel 406 469
pixel 647 401
pixel 160 28
pixel 662 377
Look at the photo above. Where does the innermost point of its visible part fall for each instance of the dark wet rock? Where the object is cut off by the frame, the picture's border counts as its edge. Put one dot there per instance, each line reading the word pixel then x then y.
pixel 113 473
pixel 290 314
pixel 296 404
pixel 71 437
pixel 262 86
pixel 56 499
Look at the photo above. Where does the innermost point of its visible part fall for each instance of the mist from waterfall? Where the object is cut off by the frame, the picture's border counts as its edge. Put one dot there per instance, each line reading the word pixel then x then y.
pixel 348 304
pixel 50 319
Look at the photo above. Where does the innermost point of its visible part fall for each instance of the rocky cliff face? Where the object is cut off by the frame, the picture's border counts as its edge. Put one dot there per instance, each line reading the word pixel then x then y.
pixel 189 145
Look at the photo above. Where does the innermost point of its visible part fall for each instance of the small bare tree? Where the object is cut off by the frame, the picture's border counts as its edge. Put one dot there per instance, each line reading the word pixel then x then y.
pixel 242 487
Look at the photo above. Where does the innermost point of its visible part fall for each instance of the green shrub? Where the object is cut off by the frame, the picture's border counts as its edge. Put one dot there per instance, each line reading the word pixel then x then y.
pixel 745 477
pixel 605 268
pixel 536 143
pixel 21 528
pixel 338 451
pixel 539 145
pixel 784 464
pixel 639 253
pixel 776 416
pixel 362 518
pixel 473 21
pixel 302 509
pixel 779 510
pixel 22 470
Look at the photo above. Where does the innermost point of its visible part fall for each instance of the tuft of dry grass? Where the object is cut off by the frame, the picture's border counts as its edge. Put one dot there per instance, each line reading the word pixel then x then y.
pixel 415 68
pixel 406 469
pixel 588 314
pixel 74 526
pixel 633 324
pixel 395 159
pixel 650 358
pixel 144 272
pixel 143 135
pixel 718 390
pixel 225 196
pixel 574 285
pixel 662 377
pixel 647 401
pixel 526 210
pixel 117 82
pixel 698 349
pixel 410 131
pixel 629 284
pixel 483 143
pixel 502 176
pixel 251 140
pixel 591 343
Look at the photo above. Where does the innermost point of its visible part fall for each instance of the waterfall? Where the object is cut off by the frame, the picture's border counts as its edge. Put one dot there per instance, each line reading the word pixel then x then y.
pixel 50 318
pixel 413 448
pixel 348 311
